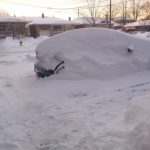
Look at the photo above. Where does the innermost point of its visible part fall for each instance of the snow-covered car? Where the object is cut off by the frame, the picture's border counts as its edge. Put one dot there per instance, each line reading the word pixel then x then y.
pixel 92 53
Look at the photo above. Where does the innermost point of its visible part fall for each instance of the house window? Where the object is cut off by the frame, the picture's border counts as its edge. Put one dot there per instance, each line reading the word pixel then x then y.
pixel 57 27
pixel 2 27
pixel 44 27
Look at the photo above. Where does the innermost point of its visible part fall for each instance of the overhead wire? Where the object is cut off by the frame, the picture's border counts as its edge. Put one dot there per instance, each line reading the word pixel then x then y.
pixel 103 3
pixel 30 5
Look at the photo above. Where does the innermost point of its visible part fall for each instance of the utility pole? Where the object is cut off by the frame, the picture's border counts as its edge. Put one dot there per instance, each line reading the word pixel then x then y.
pixel 78 12
pixel 125 9
pixel 110 15
pixel 124 12
pixel 106 21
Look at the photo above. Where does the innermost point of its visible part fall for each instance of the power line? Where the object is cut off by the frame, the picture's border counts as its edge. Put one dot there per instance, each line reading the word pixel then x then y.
pixel 45 7
pixel 82 6
pixel 22 4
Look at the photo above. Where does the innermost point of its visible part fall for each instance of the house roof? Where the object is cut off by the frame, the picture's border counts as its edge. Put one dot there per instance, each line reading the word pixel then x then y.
pixel 85 20
pixel 48 21
pixel 138 23
pixel 81 20
pixel 115 24
pixel 7 18
pixel 121 18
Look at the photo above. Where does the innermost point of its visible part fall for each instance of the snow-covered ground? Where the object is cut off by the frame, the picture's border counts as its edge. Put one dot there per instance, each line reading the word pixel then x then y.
pixel 60 113
pixel 143 35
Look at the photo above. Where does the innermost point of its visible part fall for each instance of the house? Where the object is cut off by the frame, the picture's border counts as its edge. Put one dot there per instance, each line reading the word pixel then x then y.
pixel 122 21
pixel 81 22
pixel 141 25
pixel 117 26
pixel 11 26
pixel 84 22
pixel 49 26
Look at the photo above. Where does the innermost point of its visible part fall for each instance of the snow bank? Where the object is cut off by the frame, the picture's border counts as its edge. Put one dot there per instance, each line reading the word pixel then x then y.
pixel 143 35
pixel 138 119
pixel 28 44
pixel 94 53
pixel 139 110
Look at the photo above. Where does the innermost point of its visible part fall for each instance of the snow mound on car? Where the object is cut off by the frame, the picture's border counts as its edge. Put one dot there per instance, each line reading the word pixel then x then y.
pixel 95 53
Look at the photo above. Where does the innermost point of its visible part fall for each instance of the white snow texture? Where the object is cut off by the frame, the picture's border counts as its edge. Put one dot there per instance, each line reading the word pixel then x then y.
pixel 100 101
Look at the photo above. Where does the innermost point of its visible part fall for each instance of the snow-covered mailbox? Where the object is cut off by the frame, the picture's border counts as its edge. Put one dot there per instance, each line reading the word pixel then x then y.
pixel 49 26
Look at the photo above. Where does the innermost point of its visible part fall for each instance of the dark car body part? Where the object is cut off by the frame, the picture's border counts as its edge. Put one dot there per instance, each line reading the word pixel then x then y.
pixel 41 72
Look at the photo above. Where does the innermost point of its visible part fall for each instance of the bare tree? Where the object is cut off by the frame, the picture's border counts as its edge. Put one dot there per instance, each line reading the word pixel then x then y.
pixel 119 10
pixel 135 8
pixel 3 12
pixel 92 11
pixel 146 10
pixel 124 11
pixel 115 11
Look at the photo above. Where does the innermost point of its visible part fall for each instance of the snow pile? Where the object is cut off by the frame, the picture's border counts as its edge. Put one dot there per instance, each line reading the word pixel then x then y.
pixel 143 34
pixel 138 120
pixel 28 43
pixel 94 53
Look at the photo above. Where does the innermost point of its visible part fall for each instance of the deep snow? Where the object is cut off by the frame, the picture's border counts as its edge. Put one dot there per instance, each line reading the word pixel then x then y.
pixel 64 112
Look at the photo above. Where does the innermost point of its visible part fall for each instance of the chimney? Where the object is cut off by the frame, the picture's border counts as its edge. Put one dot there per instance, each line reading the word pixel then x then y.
pixel 43 15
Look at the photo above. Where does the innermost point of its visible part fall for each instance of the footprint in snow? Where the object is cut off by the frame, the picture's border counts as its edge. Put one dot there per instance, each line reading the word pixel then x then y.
pixel 78 94
pixel 6 81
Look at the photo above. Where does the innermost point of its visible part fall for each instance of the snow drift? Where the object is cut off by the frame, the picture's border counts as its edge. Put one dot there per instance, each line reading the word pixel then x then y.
pixel 138 120
pixel 13 45
pixel 94 53
pixel 143 35
pixel 54 114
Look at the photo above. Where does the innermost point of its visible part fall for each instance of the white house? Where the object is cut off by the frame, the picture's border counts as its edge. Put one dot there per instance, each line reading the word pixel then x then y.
pixel 11 25
pixel 141 25
pixel 49 26
pixel 84 22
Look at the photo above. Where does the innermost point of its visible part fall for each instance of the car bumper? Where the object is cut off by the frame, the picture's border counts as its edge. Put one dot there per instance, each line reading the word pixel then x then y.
pixel 41 72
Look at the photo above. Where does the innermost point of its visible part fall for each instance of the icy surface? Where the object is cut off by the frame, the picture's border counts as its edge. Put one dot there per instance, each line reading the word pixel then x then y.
pixel 67 112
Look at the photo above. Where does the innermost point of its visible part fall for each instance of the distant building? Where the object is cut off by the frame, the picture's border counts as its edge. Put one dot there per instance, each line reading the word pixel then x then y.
pixel 84 22
pixel 117 26
pixel 12 26
pixel 142 25
pixel 49 26
pixel 122 21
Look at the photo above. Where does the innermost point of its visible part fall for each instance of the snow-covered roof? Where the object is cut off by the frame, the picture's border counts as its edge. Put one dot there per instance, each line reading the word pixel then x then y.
pixel 115 24
pixel 138 23
pixel 7 18
pixel 29 19
pixel 49 20
pixel 121 18
pixel 85 20
pixel 81 20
